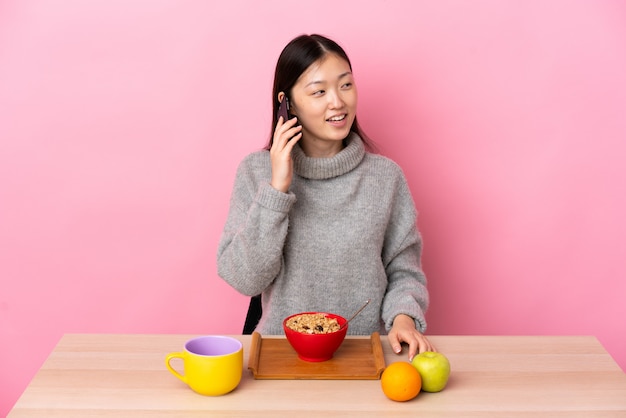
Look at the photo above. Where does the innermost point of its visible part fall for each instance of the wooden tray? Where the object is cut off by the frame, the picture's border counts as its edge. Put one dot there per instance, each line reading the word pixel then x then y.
pixel 356 359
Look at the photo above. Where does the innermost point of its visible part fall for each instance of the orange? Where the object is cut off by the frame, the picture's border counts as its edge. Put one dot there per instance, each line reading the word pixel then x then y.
pixel 401 381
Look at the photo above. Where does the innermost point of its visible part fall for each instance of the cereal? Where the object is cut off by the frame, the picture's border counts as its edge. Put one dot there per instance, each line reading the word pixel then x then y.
pixel 316 323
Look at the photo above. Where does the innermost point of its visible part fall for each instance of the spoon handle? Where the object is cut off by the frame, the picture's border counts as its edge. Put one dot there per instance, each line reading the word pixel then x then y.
pixel 355 314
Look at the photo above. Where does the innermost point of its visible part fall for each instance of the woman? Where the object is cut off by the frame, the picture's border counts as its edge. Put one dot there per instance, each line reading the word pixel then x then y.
pixel 316 222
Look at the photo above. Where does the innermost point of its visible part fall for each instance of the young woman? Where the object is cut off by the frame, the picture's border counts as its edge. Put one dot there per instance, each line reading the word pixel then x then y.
pixel 317 222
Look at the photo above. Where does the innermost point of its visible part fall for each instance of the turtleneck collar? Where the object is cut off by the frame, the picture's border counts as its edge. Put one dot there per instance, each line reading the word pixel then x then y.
pixel 325 168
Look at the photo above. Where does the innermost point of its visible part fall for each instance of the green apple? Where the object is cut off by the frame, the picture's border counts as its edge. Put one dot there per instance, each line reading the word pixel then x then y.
pixel 434 368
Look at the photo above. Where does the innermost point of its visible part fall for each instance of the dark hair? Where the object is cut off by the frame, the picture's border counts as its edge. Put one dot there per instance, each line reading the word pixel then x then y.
pixel 296 57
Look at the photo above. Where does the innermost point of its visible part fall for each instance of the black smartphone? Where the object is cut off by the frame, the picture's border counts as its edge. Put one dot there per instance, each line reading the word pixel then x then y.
pixel 283 110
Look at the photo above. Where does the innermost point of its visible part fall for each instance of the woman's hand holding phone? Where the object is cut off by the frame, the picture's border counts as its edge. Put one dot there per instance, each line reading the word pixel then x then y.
pixel 286 135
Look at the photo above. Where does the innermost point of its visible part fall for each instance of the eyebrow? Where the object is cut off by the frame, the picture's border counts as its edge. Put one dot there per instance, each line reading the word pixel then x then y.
pixel 322 81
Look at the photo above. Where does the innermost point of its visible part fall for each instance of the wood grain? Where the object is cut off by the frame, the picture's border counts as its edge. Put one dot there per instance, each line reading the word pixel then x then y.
pixel 101 375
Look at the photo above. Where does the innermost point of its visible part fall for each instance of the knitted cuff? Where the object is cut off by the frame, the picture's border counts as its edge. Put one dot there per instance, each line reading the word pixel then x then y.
pixel 270 198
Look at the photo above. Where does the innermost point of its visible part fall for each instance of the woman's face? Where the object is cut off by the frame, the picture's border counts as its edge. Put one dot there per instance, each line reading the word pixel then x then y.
pixel 324 99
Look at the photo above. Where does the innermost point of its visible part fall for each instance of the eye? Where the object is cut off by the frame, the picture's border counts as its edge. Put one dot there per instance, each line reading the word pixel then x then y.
pixel 319 92
pixel 346 86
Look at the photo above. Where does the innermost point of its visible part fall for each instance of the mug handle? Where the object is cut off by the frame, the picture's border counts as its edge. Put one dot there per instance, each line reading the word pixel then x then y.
pixel 171 356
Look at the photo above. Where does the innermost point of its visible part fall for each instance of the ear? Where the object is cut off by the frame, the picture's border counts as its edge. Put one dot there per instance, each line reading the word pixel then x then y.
pixel 281 96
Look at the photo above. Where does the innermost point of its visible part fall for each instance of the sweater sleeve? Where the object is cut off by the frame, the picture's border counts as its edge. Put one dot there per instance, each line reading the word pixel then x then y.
pixel 251 246
pixel 406 288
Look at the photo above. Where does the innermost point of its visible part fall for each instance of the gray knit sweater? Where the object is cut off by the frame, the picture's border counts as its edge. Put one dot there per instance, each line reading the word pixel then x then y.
pixel 344 233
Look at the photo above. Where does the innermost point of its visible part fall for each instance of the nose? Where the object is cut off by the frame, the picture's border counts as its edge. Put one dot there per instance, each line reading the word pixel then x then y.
pixel 334 100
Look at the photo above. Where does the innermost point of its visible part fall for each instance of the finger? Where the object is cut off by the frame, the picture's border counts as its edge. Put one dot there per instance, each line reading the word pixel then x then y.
pixel 426 345
pixel 284 148
pixel 286 131
pixel 414 349
pixel 286 124
pixel 281 126
pixel 395 343
pixel 293 140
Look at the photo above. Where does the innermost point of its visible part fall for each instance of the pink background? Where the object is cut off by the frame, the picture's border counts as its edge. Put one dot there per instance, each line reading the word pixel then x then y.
pixel 122 123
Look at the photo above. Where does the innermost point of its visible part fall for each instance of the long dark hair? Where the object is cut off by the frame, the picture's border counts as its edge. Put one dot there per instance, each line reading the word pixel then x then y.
pixel 294 60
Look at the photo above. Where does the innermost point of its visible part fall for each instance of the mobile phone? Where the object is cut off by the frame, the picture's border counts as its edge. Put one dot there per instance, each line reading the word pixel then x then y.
pixel 283 110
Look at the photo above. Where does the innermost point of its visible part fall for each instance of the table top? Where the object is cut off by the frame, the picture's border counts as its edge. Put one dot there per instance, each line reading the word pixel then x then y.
pixel 500 376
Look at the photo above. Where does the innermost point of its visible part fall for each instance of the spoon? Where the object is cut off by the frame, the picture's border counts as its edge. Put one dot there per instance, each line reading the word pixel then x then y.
pixel 355 314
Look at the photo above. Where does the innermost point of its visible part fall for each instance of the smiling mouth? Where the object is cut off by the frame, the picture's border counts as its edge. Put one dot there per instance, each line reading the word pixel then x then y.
pixel 336 118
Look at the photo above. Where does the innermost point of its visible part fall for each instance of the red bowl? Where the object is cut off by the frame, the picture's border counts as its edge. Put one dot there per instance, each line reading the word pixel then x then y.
pixel 316 347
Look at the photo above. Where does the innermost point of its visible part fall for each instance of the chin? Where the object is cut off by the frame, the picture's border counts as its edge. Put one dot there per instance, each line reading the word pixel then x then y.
pixel 339 135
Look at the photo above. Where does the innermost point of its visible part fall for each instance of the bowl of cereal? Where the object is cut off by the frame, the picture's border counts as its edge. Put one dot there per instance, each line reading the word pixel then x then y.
pixel 315 335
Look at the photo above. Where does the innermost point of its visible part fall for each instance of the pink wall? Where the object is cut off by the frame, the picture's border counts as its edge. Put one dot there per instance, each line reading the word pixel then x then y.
pixel 122 123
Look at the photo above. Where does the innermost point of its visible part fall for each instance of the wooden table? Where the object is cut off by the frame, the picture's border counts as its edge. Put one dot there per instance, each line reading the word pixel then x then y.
pixel 499 376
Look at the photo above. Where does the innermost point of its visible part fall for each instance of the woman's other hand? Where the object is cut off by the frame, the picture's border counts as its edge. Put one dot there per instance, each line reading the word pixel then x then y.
pixel 403 331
